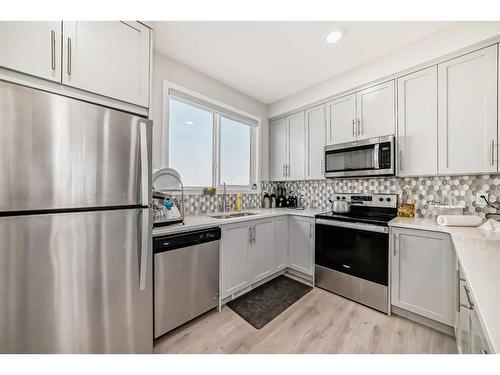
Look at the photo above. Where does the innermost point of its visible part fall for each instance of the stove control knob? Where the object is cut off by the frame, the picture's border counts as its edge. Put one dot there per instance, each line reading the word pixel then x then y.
pixel 381 199
pixel 388 199
pixel 338 198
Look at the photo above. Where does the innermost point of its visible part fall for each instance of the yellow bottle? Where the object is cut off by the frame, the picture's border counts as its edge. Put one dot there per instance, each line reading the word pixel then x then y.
pixel 238 202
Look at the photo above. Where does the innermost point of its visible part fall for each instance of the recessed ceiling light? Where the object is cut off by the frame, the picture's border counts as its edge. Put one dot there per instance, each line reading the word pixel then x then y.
pixel 190 122
pixel 334 36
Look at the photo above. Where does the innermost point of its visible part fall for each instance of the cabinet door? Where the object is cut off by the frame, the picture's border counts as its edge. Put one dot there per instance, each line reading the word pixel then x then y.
pixel 417 123
pixel 341 123
pixel 262 251
pixel 295 147
pixel 301 244
pixel 315 143
pixel 477 338
pixel 376 111
pixel 32 47
pixel 109 58
pixel 423 274
pixel 467 109
pixel 277 149
pixel 280 242
pixel 235 258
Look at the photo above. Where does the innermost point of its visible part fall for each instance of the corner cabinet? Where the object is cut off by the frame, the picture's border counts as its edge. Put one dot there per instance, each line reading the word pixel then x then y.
pixel 286 143
pixel 315 142
pixel 110 58
pixel 467 88
pixel 417 123
pixel 422 274
pixel 32 47
pixel 301 244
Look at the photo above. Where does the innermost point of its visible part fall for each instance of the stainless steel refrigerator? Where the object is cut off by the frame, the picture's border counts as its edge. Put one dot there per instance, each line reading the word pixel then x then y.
pixel 75 226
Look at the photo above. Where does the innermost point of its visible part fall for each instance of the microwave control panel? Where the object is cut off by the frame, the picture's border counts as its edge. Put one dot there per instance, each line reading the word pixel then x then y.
pixel 385 155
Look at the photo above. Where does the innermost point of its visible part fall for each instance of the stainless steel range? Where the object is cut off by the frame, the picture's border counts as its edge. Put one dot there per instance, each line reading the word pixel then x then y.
pixel 352 249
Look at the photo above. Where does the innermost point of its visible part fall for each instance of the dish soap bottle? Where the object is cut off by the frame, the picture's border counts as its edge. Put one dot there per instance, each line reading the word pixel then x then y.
pixel 238 202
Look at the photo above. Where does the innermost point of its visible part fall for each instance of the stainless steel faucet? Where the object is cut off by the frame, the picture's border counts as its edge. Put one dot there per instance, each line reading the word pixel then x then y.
pixel 224 198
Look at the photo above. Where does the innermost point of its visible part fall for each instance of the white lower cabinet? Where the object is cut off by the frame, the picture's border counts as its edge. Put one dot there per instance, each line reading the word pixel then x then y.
pixel 262 250
pixel 301 244
pixel 280 242
pixel 423 274
pixel 235 258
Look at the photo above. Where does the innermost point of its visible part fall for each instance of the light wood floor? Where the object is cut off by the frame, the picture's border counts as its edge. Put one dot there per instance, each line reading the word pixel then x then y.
pixel 320 322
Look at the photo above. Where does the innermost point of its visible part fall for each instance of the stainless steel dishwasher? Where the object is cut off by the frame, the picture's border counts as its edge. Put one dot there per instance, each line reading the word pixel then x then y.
pixel 186 277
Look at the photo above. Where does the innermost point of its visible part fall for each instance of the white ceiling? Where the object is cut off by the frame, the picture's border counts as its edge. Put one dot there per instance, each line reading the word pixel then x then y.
pixel 271 60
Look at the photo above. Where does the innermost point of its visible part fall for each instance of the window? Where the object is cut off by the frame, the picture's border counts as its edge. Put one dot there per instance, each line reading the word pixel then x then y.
pixel 235 152
pixel 208 144
pixel 190 146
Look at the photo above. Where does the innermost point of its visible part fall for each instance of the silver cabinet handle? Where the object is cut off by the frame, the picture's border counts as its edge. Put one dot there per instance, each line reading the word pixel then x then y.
pixel 69 56
pixel 53 49
pixel 492 152
pixel 310 230
pixel 396 241
pixel 254 234
pixel 286 171
pixel 346 266
pixel 353 128
pixel 283 170
pixel 144 164
pixel 250 234
pixel 458 290
pixel 359 126
pixel 400 160
pixel 145 236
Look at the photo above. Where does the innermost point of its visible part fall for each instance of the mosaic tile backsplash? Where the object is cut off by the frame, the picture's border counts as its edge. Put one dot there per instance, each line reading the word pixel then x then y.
pixel 459 190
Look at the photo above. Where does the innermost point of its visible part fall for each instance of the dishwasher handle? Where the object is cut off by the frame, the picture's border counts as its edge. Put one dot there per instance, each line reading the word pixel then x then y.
pixel 171 242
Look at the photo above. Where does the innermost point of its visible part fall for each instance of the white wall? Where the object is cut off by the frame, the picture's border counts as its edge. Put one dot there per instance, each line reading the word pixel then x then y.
pixel 447 40
pixel 165 68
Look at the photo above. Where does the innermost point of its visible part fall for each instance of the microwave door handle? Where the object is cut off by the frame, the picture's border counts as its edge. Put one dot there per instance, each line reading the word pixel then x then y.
pixel 375 156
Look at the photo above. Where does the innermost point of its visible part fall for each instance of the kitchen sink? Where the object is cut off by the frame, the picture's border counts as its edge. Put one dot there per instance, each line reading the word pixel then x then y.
pixel 229 216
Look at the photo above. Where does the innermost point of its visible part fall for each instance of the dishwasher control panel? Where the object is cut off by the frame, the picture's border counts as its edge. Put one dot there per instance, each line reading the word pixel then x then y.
pixel 180 240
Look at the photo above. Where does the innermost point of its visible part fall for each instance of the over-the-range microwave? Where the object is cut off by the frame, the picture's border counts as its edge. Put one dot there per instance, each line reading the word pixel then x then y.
pixel 370 157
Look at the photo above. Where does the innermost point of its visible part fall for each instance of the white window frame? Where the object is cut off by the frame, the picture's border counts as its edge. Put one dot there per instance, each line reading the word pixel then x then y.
pixel 254 139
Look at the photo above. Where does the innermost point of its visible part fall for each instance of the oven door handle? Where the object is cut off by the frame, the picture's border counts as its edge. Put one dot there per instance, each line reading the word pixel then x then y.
pixel 360 226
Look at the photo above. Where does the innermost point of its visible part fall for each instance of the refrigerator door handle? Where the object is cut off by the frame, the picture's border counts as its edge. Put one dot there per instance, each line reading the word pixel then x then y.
pixel 144 164
pixel 143 267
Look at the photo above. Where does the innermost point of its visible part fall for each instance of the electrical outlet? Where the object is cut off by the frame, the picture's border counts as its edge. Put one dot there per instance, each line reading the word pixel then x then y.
pixel 480 202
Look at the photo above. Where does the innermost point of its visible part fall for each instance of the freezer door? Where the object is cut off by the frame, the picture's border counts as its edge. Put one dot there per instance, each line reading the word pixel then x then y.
pixel 76 283
pixel 57 152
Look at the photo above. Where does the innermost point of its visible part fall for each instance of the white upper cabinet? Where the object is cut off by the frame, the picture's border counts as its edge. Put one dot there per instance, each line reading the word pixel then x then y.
pixel 376 111
pixel 315 143
pixel 277 149
pixel 110 58
pixel 341 123
pixel 423 273
pixel 467 108
pixel 32 47
pixel 417 123
pixel 294 169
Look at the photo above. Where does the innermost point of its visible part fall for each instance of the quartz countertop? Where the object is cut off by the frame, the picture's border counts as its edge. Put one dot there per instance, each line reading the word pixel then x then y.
pixel 194 222
pixel 478 252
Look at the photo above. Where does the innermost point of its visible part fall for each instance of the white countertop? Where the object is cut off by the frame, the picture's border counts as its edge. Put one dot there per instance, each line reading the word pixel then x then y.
pixel 193 222
pixel 478 252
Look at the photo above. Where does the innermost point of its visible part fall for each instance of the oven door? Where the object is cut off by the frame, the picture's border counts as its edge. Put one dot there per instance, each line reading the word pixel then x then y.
pixel 356 249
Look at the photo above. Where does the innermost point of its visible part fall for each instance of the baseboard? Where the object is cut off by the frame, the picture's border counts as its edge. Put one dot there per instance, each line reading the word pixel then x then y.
pixel 438 326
